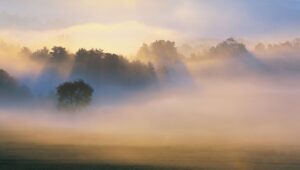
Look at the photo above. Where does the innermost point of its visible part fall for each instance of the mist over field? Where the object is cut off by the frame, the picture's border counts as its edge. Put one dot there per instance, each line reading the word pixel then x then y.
pixel 226 95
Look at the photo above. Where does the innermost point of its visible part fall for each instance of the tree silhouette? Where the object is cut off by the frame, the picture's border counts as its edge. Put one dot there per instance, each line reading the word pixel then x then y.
pixel 41 55
pixel 106 69
pixel 73 95
pixel 167 60
pixel 59 54
pixel 11 89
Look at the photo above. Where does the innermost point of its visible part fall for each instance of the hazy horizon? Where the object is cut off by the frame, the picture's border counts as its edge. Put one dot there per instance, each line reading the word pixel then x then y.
pixel 121 26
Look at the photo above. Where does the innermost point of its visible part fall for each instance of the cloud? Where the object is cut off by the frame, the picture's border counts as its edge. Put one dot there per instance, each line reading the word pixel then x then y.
pixel 191 18
pixel 123 38
pixel 56 14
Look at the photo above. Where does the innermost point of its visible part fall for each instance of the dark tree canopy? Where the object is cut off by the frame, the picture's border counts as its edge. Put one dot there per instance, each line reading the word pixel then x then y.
pixel 168 62
pixel 229 48
pixel 41 55
pixel 10 88
pixel 59 61
pixel 160 52
pixel 72 95
pixel 59 54
pixel 102 68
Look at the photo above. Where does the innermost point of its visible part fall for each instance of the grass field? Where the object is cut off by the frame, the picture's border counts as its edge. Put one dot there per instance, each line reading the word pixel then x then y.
pixel 15 156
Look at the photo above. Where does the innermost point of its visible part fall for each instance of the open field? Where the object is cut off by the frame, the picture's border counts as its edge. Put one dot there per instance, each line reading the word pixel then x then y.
pixel 15 156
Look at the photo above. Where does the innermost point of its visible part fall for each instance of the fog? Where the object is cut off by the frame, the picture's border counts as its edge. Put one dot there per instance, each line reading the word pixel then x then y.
pixel 13 61
pixel 236 108
pixel 239 111
pixel 226 100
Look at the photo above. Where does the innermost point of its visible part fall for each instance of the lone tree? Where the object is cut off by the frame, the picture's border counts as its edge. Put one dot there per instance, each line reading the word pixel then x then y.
pixel 73 95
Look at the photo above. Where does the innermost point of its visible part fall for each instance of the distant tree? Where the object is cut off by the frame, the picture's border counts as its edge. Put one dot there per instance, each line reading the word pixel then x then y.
pixel 10 89
pixel 167 61
pixel 25 51
pixel 59 62
pixel 229 48
pixel 260 47
pixel 73 95
pixel 59 54
pixel 41 55
pixel 106 69
pixel 160 52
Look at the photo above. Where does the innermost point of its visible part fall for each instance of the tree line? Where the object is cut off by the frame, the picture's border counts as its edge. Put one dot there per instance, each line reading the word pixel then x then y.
pixel 94 66
pixel 62 71
pixel 67 75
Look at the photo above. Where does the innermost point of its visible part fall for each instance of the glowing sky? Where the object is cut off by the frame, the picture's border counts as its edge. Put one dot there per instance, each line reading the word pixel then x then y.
pixel 122 25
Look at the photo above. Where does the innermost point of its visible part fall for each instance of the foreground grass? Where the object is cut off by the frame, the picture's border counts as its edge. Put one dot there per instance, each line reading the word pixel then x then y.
pixel 41 165
pixel 15 156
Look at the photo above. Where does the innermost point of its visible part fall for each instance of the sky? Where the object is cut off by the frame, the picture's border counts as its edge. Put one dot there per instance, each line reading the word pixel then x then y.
pixel 121 26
